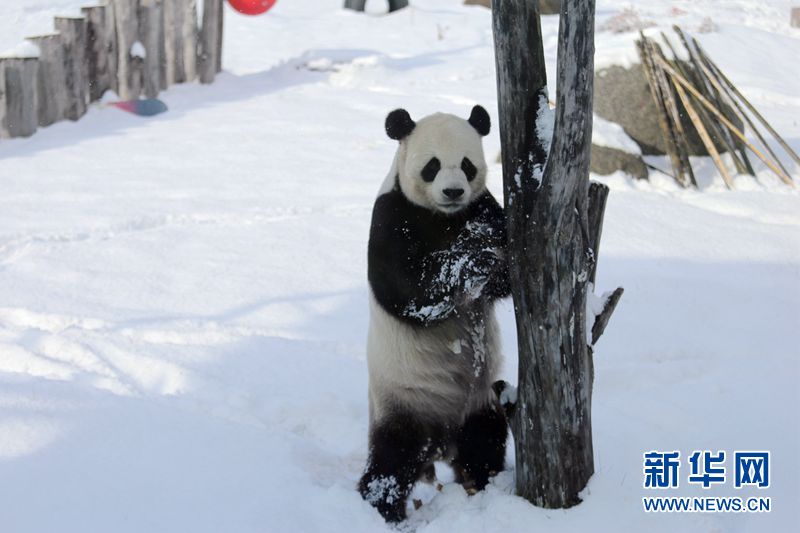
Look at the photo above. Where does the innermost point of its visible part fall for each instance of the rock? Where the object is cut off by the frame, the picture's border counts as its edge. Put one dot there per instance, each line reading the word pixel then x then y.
pixel 607 160
pixel 622 95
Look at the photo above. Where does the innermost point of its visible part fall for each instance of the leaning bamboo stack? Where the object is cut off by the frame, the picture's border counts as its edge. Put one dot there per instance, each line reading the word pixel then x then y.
pixel 136 48
pixel 699 89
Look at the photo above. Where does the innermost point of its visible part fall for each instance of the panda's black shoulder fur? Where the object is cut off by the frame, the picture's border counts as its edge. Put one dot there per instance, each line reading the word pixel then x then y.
pixel 423 265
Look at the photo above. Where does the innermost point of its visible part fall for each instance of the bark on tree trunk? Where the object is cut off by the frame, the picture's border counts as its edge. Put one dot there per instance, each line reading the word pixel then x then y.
pixel 551 244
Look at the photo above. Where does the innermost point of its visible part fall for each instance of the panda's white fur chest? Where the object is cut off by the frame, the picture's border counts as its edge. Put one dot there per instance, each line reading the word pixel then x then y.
pixel 441 372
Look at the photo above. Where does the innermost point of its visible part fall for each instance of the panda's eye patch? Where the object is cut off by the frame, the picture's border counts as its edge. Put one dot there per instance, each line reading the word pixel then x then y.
pixel 431 169
pixel 469 169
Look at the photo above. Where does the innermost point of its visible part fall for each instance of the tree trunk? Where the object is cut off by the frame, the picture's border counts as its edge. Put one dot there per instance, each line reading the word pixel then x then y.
pixel 551 256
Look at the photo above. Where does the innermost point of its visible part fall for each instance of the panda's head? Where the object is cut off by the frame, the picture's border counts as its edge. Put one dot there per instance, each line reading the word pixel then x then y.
pixel 440 160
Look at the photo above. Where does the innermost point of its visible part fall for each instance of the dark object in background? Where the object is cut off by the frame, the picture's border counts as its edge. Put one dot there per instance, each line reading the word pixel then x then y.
pixel 358 5
pixel 546 7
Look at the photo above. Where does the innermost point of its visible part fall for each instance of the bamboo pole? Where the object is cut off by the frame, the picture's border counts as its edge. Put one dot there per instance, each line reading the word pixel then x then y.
pixel 753 109
pixel 702 99
pixel 743 165
pixel 717 133
pixel 674 112
pixel 701 130
pixel 741 112
pixel 661 115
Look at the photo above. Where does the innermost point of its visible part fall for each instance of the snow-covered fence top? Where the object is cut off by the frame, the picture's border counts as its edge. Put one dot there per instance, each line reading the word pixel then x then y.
pixel 133 47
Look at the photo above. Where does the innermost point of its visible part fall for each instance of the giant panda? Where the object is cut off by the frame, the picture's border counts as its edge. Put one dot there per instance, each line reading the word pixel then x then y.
pixel 436 266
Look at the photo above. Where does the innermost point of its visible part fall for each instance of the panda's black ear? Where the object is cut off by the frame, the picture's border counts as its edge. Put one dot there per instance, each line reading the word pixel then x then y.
pixel 479 119
pixel 399 124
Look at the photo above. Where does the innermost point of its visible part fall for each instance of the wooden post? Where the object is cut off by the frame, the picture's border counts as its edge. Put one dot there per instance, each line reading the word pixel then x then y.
pixel 51 80
pixel 73 36
pixel 210 59
pixel 129 75
pixel 151 35
pixel 101 53
pixel 180 36
pixel 21 108
pixel 3 131
pixel 795 17
pixel 551 246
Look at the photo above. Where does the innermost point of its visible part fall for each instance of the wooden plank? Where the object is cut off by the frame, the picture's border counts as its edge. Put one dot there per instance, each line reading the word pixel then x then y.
pixel 101 50
pixel 151 35
pixel 210 46
pixel 73 35
pixel 21 96
pixel 51 79
pixel 129 72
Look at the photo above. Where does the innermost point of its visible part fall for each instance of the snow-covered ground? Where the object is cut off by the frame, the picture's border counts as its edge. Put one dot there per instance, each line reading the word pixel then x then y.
pixel 183 300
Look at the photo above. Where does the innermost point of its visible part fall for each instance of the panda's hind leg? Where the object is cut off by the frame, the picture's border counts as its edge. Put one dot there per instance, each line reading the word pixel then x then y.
pixel 481 447
pixel 401 449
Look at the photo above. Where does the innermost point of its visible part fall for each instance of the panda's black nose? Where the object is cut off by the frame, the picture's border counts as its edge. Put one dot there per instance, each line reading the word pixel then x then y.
pixel 453 193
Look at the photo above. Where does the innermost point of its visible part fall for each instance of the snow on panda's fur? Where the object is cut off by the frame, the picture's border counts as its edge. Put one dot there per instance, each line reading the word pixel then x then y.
pixel 436 264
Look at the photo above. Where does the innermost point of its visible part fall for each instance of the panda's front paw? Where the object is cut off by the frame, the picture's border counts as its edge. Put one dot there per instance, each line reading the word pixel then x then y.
pixel 479 271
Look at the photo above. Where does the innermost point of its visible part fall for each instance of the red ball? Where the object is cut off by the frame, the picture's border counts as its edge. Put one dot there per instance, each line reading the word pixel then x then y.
pixel 252 7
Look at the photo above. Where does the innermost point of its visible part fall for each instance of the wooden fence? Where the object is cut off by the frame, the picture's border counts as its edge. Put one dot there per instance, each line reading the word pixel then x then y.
pixel 135 48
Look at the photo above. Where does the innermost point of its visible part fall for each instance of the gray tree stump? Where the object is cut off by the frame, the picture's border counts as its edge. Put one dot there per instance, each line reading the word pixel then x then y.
pixel 101 53
pixel 210 47
pixel 554 228
pixel 52 79
pixel 21 114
